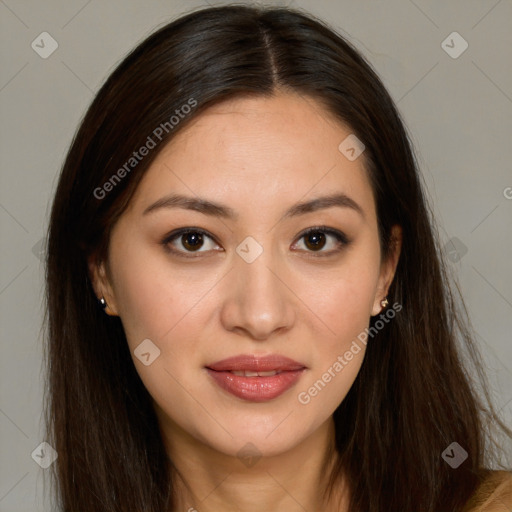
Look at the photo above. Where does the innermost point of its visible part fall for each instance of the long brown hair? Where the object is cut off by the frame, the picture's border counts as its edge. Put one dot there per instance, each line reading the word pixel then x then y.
pixel 412 396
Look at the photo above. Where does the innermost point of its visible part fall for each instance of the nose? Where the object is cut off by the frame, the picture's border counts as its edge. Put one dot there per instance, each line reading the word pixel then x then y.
pixel 258 300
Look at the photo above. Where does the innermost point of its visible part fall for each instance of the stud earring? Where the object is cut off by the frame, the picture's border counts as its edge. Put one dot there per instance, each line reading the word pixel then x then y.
pixel 103 303
pixel 384 302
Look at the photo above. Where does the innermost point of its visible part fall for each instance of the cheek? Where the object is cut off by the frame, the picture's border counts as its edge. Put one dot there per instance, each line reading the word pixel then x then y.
pixel 154 298
pixel 159 302
pixel 345 307
pixel 343 301
pixel 338 354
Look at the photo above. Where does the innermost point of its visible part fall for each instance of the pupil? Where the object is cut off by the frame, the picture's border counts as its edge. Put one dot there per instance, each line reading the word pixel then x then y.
pixel 318 240
pixel 195 236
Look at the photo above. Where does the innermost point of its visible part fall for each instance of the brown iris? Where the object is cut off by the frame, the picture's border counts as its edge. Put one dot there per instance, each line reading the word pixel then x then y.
pixel 315 240
pixel 192 241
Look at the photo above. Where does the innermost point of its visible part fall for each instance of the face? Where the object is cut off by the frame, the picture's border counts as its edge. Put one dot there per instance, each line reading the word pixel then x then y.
pixel 246 313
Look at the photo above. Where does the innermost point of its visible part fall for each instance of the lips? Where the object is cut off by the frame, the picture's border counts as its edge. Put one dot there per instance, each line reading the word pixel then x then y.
pixel 253 363
pixel 256 379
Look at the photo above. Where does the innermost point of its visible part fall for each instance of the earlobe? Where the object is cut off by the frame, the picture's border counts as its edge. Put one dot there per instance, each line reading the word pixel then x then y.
pixel 101 285
pixel 388 270
pixel 108 310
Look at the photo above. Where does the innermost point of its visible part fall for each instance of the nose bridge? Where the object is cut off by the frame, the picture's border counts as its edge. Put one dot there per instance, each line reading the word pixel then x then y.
pixel 256 275
pixel 258 301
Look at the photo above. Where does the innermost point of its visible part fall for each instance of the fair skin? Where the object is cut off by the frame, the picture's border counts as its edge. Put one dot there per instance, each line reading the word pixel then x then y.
pixel 258 156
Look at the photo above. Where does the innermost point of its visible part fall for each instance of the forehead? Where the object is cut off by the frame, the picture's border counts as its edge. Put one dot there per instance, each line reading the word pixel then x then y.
pixel 258 153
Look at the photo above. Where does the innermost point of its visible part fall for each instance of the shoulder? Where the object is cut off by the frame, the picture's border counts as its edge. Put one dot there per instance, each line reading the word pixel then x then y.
pixel 493 495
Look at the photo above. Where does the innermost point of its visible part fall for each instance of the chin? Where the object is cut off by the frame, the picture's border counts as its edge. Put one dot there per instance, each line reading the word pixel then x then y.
pixel 262 437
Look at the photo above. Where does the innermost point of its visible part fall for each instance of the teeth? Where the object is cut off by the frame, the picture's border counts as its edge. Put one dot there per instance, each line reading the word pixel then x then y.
pixel 243 373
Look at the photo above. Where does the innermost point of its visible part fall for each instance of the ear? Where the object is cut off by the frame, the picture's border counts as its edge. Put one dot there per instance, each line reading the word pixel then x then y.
pixel 101 282
pixel 388 269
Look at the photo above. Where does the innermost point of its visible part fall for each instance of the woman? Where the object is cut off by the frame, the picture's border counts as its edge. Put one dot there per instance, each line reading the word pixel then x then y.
pixel 247 308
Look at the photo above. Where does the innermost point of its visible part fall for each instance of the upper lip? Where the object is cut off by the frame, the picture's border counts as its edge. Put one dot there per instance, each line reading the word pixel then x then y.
pixel 254 363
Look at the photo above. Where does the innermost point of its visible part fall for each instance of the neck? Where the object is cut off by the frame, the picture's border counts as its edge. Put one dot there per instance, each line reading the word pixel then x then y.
pixel 206 480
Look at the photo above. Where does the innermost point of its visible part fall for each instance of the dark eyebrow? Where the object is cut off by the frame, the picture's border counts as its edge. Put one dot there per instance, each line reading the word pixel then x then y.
pixel 218 210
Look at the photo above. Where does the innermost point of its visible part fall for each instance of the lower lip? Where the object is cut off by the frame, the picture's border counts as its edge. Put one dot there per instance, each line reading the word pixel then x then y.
pixel 256 389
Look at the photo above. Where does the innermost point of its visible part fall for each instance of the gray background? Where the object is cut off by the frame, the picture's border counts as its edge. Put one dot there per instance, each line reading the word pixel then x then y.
pixel 458 112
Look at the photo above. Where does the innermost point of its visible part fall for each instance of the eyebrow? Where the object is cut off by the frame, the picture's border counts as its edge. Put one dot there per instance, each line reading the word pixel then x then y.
pixel 213 209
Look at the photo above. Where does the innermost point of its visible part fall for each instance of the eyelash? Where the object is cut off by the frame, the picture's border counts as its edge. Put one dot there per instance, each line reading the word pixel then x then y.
pixel 341 238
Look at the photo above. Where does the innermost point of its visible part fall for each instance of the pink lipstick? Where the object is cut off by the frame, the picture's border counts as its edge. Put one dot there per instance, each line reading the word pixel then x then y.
pixel 256 379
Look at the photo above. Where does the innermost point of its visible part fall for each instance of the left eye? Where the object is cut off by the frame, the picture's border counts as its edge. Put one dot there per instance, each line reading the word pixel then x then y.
pixel 315 239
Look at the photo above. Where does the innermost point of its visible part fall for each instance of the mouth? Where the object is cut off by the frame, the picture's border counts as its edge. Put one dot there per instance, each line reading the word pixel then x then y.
pixel 256 379
pixel 248 373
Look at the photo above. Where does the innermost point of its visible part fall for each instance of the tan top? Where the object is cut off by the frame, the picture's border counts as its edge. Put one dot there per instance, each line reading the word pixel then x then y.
pixel 493 495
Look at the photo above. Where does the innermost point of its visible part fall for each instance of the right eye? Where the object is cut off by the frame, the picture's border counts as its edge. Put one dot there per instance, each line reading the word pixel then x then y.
pixel 191 239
